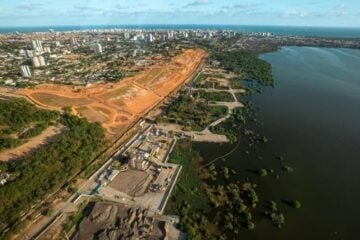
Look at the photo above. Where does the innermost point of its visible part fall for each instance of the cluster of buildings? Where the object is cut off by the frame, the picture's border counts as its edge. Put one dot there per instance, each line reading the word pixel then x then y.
pixel 4 177
pixel 36 56
pixel 72 57
pixel 77 57
pixel 150 148
pixel 139 174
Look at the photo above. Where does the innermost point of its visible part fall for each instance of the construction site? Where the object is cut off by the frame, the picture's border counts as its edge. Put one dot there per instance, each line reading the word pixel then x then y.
pixel 140 174
pixel 117 105
pixel 115 221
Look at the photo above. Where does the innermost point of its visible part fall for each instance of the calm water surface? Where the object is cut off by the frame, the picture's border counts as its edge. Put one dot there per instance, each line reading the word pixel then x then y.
pixel 312 118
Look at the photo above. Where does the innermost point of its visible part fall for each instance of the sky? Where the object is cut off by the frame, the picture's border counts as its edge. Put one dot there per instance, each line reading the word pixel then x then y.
pixel 330 13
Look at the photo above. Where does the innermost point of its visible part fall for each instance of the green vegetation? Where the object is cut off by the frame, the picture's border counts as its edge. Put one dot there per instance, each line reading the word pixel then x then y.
pixel 32 132
pixel 262 172
pixel 198 79
pixel 235 82
pixel 287 168
pixel 278 219
pixel 112 75
pixel 215 96
pixel 75 218
pixel 37 175
pixel 245 63
pixel 235 204
pixel 188 187
pixel 188 200
pixel 293 203
pixel 196 192
pixel 191 114
pixel 231 127
pixel 20 120
pixel 273 206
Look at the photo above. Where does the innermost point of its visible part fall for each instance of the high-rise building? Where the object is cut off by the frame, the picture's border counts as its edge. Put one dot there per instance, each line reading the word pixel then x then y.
pixel 97 48
pixel 127 35
pixel 170 34
pixel 36 62
pixel 42 61
pixel 150 37
pixel 74 41
pixel 25 71
pixel 47 49
pixel 37 45
pixel 29 53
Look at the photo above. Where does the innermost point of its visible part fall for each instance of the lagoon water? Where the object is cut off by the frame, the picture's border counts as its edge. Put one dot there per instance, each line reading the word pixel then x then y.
pixel 312 118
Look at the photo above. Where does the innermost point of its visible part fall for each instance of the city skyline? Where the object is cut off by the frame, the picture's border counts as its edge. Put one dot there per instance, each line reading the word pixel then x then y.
pixel 330 13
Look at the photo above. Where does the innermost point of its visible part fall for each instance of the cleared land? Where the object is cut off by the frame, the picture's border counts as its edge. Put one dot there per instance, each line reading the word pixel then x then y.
pixel 131 182
pixel 110 221
pixel 31 144
pixel 117 105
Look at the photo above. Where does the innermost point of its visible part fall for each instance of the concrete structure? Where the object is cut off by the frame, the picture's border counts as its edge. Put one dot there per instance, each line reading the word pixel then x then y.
pixel 3 178
pixel 37 45
pixel 47 49
pixel 150 37
pixel 97 48
pixel 138 162
pixel 170 34
pixel 127 35
pixel 29 53
pixel 25 71
pixel 42 61
pixel 74 41
pixel 36 62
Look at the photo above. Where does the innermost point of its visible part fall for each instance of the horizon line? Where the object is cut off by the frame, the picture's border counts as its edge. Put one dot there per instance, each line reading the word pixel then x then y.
pixel 177 24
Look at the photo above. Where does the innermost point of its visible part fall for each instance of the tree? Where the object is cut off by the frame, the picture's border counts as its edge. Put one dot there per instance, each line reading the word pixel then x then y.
pixel 262 172
pixel 295 203
pixel 250 225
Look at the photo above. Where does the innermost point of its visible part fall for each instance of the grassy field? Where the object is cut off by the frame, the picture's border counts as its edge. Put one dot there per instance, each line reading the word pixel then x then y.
pixel 216 96
pixel 188 188
pixel 191 114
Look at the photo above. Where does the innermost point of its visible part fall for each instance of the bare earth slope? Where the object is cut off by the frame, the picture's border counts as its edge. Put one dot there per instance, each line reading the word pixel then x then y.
pixel 116 222
pixel 117 105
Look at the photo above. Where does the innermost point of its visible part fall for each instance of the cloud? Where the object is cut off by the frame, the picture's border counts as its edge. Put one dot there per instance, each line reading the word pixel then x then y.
pixel 340 6
pixel 293 14
pixel 329 12
pixel 339 10
pixel 244 8
pixel 29 6
pixel 198 3
pixel 122 7
pixel 88 8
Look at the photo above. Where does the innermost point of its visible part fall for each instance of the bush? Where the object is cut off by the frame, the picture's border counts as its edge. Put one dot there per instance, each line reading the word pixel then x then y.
pixel 262 172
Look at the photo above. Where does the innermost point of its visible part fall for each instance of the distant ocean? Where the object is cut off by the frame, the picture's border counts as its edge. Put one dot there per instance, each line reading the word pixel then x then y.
pixel 278 30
